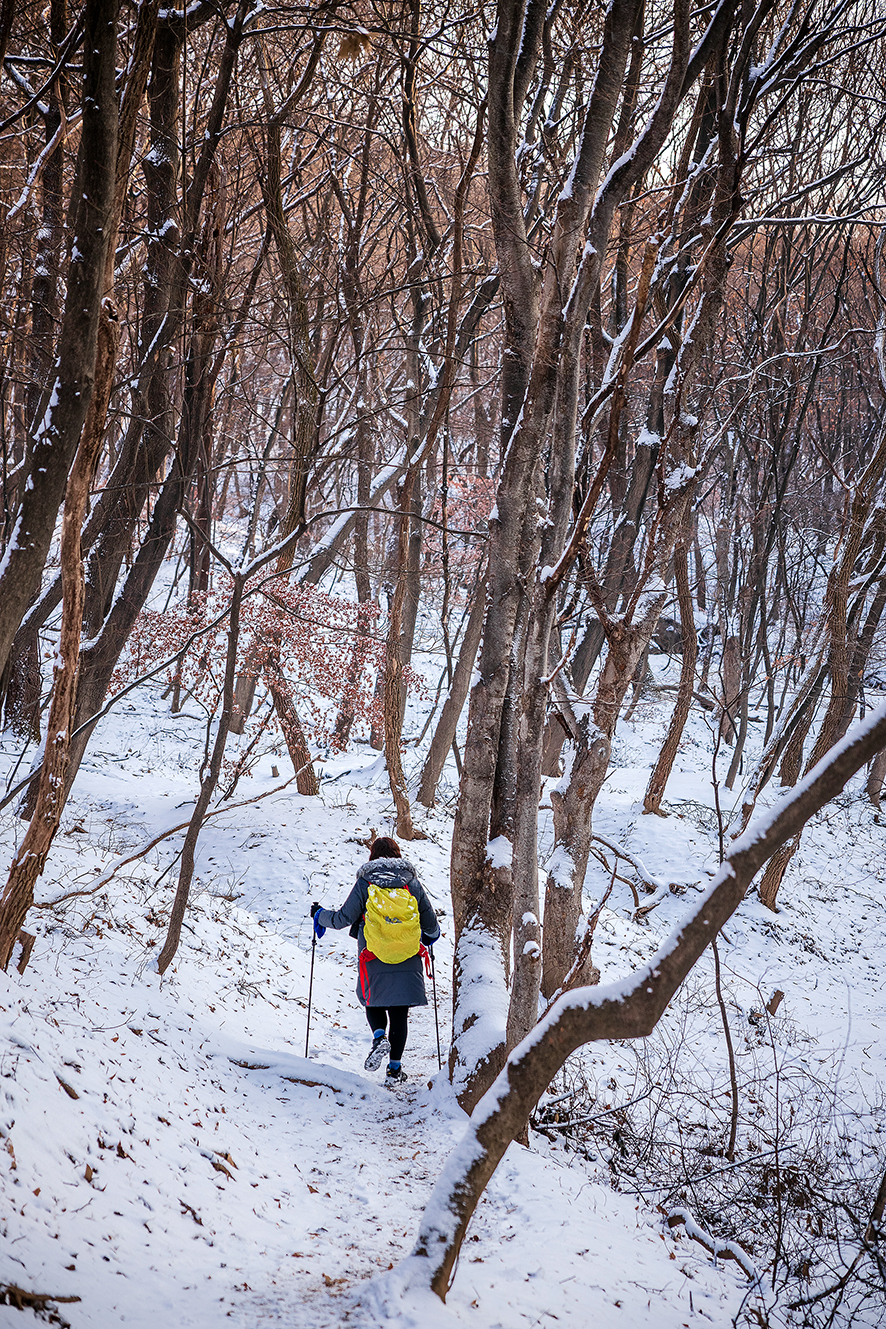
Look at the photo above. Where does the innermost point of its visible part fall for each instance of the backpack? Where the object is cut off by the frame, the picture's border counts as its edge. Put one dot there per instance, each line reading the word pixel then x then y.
pixel 391 926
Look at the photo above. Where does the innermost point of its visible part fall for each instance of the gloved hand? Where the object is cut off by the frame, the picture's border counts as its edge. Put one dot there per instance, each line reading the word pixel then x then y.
pixel 319 930
pixel 428 941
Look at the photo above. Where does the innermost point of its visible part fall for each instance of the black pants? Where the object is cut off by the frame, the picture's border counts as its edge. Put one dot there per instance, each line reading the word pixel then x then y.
pixel 393 1019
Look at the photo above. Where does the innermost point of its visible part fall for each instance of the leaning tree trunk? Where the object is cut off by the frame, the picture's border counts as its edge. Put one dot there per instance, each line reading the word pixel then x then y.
pixel 444 734
pixel 28 864
pixel 207 785
pixel 628 1009
pixel 306 781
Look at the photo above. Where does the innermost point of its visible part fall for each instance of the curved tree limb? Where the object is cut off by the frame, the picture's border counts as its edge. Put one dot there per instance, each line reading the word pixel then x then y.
pixel 629 1008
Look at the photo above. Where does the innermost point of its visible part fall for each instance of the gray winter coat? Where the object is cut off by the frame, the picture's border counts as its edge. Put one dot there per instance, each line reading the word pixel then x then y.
pixel 380 984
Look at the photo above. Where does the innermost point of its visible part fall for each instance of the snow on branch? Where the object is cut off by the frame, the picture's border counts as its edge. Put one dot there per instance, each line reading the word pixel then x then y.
pixel 628 1008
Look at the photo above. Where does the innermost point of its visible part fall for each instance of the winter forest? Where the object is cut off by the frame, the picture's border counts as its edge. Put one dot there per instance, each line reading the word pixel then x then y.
pixel 462 424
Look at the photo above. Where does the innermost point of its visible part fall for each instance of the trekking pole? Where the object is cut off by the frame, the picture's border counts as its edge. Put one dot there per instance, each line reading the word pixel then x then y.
pixel 436 1016
pixel 310 985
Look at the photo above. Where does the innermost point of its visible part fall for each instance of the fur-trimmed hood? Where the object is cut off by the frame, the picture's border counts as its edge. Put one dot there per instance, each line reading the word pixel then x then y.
pixel 389 872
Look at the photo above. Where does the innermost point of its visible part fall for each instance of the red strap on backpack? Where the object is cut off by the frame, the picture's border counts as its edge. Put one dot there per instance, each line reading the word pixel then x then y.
pixel 365 956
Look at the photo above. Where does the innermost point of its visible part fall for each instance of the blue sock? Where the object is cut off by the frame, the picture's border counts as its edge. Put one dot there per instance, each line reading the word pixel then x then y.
pixel 378 1033
pixel 393 1065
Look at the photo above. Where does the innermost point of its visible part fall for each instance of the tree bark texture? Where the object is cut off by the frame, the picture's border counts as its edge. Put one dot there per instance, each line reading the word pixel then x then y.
pixel 877 778
pixel 56 436
pixel 572 804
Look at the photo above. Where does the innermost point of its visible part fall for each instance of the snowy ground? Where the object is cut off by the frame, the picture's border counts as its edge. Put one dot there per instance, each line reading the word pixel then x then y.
pixel 168 1156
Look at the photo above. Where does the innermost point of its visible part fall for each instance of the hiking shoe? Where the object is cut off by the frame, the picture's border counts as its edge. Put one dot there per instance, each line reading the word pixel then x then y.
pixel 377 1053
pixel 395 1077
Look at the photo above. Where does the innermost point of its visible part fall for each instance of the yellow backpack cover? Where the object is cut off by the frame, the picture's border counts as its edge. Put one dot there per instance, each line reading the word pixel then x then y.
pixel 391 926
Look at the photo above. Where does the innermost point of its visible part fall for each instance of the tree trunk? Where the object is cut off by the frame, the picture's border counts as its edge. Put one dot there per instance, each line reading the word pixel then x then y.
pixel 304 410
pixel 207 786
pixel 774 874
pixel 57 435
pixel 306 781
pixel 147 441
pixel 731 681
pixel 663 767
pixel 572 804
pixel 28 864
pixel 393 715
pixel 877 778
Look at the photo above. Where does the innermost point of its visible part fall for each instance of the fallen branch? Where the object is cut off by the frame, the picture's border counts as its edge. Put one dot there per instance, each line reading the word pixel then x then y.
pixel 42 1302
pixel 588 1120
pixel 706 703
pixel 636 863
pixel 721 1250
pixel 616 876
pixel 651 902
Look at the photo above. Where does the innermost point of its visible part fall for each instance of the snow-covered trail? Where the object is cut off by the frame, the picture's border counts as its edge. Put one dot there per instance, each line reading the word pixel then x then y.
pixel 163 1158
pixel 196 1178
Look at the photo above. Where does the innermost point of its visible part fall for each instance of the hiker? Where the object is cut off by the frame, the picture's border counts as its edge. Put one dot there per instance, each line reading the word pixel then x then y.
pixel 393 920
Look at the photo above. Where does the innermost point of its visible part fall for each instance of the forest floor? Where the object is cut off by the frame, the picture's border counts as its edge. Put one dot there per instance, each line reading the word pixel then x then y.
pixel 167 1154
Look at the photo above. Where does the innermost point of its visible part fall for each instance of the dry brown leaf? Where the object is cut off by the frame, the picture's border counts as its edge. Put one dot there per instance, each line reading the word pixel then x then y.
pixel 353 45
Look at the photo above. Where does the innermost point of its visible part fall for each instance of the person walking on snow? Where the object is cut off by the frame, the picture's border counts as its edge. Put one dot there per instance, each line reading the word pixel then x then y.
pixel 393 920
